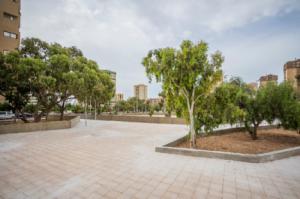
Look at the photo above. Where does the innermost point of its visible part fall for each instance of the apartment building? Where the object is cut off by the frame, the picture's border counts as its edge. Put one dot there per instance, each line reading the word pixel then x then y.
pixel 119 97
pixel 292 73
pixel 9 25
pixel 141 91
pixel 263 80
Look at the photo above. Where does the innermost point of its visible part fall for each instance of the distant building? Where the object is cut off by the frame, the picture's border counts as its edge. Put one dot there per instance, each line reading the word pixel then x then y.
pixel 253 85
pixel 155 101
pixel 119 97
pixel 263 80
pixel 9 25
pixel 292 73
pixel 141 91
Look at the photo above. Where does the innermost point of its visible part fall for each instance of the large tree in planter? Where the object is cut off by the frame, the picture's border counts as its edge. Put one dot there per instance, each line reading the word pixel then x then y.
pixel 239 103
pixel 283 105
pixel 15 73
pixel 188 72
pixel 57 82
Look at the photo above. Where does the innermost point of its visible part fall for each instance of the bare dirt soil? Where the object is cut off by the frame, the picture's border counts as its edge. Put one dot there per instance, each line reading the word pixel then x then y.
pixel 241 142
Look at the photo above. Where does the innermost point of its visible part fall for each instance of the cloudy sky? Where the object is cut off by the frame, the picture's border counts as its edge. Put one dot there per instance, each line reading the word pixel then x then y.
pixel 256 37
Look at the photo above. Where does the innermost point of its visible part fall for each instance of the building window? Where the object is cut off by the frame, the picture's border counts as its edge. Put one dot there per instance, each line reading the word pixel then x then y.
pixel 10 35
pixel 9 16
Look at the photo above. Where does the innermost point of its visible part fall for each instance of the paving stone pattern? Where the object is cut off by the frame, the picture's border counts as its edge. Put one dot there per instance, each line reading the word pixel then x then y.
pixel 110 159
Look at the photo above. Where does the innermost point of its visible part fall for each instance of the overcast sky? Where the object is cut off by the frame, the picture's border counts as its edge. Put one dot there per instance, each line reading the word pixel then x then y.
pixel 256 36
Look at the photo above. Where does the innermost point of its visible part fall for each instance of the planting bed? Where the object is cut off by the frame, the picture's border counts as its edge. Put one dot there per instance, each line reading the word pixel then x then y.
pixel 236 144
pixel 241 142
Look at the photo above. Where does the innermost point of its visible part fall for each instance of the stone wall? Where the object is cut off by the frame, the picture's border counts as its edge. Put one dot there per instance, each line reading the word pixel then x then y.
pixel 69 122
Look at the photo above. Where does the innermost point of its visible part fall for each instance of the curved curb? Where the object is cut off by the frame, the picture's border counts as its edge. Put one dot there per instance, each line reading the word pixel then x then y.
pixel 252 158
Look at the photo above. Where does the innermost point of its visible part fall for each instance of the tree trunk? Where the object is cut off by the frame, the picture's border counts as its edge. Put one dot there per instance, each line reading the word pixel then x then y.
pixel 192 129
pixel 90 106
pixel 252 130
pixel 38 117
pixel 23 117
pixel 85 112
pixel 62 110
pixel 254 133
pixel 95 113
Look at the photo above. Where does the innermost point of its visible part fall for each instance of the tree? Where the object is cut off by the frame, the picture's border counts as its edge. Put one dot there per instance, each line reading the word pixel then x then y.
pixel 188 72
pixel 58 80
pixel 52 74
pixel 16 77
pixel 239 103
pixel 283 105
pixel 103 90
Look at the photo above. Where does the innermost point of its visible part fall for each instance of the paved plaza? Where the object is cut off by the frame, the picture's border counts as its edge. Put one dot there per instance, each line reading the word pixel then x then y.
pixel 110 159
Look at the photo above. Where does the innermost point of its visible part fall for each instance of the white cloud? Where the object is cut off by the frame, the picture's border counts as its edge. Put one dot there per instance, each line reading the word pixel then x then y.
pixel 117 34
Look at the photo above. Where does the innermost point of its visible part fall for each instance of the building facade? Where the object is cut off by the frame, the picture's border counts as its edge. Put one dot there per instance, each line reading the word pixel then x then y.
pixel 9 25
pixel 292 73
pixel 263 80
pixel 155 101
pixel 119 97
pixel 141 91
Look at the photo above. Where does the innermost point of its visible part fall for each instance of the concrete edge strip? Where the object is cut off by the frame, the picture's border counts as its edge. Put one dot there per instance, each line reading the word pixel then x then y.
pixel 252 158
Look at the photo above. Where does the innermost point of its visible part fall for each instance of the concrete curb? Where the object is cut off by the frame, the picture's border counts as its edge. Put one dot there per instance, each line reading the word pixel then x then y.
pixel 252 158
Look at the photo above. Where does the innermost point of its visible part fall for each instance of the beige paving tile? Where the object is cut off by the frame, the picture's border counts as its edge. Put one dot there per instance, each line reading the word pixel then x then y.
pixel 117 160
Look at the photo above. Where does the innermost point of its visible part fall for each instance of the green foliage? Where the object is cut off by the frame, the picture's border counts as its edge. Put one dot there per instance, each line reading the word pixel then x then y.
pixel 52 74
pixel 5 106
pixel 187 74
pixel 238 103
pixel 151 111
pixel 15 80
pixel 78 109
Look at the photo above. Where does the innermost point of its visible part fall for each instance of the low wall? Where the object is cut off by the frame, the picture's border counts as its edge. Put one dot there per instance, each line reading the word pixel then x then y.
pixel 130 118
pixel 69 122
pixel 252 158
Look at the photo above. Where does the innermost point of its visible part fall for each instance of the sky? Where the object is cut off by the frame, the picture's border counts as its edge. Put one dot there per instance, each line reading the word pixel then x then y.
pixel 256 37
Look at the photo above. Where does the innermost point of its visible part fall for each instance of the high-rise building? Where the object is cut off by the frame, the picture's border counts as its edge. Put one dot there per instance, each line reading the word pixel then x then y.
pixel 263 80
pixel 292 73
pixel 9 25
pixel 141 91
pixel 119 97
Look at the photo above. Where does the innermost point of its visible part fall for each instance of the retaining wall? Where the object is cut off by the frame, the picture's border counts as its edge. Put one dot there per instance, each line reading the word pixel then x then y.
pixel 131 118
pixel 69 122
